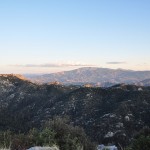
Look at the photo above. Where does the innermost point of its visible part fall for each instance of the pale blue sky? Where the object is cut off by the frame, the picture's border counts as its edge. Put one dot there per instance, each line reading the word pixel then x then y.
pixel 67 34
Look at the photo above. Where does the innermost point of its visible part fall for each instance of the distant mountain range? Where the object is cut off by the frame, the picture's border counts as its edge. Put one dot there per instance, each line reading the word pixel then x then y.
pixel 144 82
pixel 112 114
pixel 103 77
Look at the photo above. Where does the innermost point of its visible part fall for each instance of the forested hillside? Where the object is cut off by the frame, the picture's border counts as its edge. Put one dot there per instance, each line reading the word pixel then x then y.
pixel 113 114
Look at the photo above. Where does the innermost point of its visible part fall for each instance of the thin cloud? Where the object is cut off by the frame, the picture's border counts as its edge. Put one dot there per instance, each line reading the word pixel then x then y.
pixel 57 65
pixel 116 62
pixel 142 64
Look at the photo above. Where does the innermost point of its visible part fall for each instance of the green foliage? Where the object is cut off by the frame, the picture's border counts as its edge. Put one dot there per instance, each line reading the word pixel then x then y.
pixel 69 137
pixel 141 141
pixel 34 137
pixel 54 132
pixel 46 137
pixel 5 139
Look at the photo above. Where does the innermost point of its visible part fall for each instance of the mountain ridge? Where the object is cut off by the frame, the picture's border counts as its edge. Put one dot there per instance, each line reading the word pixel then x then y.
pixel 99 76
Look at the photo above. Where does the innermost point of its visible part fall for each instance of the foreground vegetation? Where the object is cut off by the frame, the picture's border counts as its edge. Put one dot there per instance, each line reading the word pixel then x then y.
pixel 59 133
pixel 54 132
pixel 141 141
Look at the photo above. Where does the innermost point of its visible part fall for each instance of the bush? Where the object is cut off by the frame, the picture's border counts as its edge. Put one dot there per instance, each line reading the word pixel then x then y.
pixel 141 140
pixel 54 132
pixel 69 137
pixel 5 139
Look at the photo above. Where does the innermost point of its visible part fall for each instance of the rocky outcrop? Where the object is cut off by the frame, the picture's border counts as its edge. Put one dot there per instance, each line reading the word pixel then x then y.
pixel 44 148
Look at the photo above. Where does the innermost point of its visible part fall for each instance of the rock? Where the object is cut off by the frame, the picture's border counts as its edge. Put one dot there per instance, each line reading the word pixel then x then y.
pixel 43 148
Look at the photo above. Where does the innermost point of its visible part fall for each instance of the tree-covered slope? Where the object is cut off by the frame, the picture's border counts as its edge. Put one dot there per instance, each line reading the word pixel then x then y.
pixel 110 114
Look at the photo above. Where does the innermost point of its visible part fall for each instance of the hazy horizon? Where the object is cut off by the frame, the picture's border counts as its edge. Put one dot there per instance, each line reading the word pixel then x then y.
pixel 52 36
pixel 41 72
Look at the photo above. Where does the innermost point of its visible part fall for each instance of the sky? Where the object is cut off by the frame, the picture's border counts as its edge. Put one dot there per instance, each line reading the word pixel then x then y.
pixel 43 36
